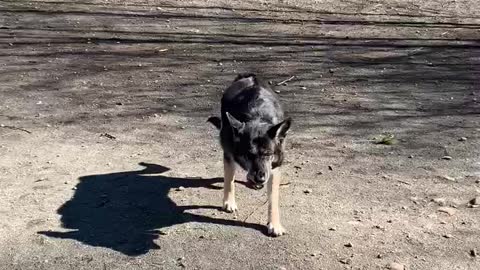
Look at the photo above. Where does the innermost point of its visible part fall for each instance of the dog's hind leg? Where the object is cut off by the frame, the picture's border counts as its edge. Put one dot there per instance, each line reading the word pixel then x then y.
pixel 275 228
pixel 229 203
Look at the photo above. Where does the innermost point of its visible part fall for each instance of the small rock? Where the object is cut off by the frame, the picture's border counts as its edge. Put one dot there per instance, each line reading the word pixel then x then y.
pixel 449 178
pixel 331 71
pixel 270 82
pixel 277 91
pixel 181 188
pixel 379 256
pixel 332 229
pixel 447 157
pixel 411 156
pixel 473 252
pixel 450 211
pixel 349 245
pixel 475 201
pixel 447 235
pixel 330 167
pixel 307 191
pixel 439 201
pixel 462 139
pixel 303 88
pixel 119 103
pixel 396 266
pixel 346 261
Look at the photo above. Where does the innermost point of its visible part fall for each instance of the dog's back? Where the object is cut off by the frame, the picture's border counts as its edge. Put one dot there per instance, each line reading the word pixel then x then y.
pixel 247 99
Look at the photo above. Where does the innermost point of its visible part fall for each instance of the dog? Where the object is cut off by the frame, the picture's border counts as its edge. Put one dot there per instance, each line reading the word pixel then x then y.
pixel 253 129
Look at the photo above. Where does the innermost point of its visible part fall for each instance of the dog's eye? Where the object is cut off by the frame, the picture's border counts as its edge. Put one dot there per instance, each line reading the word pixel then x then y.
pixel 267 154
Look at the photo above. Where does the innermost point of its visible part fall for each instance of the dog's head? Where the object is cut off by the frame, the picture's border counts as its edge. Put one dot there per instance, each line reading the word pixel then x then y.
pixel 258 147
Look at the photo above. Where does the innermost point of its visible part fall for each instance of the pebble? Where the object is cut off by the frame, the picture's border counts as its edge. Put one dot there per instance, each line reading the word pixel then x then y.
pixel 473 253
pixel 396 266
pixel 449 178
pixel 332 229
pixel 330 167
pixel 475 201
pixel 411 156
pixel 307 191
pixel 345 261
pixel 447 210
pixel 440 201
pixel 462 139
pixel 181 188
pixel 447 157
pixel 447 235
pixel 349 245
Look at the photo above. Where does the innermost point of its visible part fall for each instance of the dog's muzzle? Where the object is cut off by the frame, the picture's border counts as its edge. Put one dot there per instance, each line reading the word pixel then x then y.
pixel 256 183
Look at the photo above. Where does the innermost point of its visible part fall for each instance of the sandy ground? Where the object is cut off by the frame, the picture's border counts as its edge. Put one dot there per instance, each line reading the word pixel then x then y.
pixel 106 161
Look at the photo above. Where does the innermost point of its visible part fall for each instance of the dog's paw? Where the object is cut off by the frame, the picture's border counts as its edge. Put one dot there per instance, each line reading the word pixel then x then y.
pixel 276 230
pixel 230 206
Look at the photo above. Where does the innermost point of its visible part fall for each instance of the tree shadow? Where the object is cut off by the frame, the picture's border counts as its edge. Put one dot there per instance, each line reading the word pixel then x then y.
pixel 125 211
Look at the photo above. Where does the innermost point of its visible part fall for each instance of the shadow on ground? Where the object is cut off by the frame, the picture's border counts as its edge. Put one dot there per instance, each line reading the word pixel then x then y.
pixel 126 211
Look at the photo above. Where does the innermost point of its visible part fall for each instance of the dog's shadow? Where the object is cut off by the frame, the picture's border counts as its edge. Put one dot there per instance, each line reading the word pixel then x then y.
pixel 125 211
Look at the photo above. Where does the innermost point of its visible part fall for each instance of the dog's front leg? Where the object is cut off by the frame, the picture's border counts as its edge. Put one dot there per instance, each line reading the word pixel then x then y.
pixel 275 228
pixel 229 203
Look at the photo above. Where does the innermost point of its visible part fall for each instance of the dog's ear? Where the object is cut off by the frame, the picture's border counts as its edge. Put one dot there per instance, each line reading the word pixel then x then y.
pixel 216 121
pixel 234 123
pixel 280 130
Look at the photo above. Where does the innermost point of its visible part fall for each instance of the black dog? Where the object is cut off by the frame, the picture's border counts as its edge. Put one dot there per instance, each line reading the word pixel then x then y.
pixel 252 134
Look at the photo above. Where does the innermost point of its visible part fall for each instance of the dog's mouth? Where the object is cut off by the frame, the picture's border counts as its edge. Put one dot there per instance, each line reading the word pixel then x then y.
pixel 257 186
pixel 253 185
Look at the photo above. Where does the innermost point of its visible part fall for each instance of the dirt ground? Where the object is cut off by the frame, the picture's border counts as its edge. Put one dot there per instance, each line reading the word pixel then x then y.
pixel 106 161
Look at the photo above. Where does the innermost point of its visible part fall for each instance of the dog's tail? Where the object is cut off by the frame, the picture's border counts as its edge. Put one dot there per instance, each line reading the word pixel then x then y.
pixel 216 121
pixel 247 75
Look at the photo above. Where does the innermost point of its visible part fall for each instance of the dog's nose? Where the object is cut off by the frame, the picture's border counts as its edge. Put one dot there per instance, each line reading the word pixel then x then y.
pixel 260 177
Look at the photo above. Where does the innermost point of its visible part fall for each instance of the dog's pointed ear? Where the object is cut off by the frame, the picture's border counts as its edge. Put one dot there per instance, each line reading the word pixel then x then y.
pixel 234 123
pixel 280 130
pixel 216 121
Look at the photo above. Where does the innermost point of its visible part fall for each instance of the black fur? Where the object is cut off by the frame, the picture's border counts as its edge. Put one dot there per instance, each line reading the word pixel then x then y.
pixel 252 127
